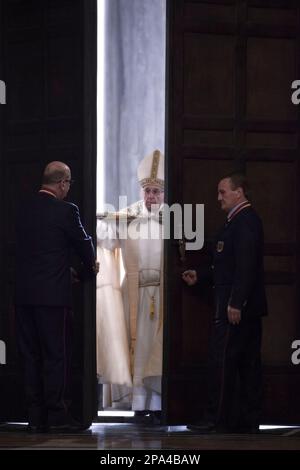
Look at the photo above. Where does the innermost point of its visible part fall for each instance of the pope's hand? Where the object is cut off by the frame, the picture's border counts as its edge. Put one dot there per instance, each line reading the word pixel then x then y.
pixel 190 277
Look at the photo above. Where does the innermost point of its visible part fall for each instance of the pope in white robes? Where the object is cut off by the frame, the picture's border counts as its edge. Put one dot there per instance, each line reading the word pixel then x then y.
pixel 129 297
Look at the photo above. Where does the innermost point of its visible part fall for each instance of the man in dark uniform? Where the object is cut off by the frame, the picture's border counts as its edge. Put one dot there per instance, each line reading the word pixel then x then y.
pixel 240 302
pixel 47 229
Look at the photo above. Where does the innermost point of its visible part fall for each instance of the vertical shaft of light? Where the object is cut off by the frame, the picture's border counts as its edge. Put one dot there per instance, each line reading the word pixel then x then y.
pixel 100 105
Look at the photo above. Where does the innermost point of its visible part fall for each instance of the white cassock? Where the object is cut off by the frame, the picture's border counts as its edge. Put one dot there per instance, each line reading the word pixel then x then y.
pixel 129 312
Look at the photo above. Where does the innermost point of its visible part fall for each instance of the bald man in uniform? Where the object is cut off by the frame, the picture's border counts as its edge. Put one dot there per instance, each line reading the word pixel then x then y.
pixel 48 228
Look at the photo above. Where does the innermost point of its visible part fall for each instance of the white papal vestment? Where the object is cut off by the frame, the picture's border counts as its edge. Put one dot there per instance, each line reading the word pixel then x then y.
pixel 129 311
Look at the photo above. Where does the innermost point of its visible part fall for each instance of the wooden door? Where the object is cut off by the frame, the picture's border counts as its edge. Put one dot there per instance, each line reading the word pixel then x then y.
pixel 48 57
pixel 230 67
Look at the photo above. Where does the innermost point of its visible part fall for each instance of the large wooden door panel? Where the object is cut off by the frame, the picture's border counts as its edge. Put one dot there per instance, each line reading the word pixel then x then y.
pixel 230 68
pixel 47 59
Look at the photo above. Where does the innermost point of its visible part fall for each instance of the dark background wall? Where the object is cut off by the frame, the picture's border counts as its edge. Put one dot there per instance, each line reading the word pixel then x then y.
pixel 48 62
pixel 231 65
pixel 230 68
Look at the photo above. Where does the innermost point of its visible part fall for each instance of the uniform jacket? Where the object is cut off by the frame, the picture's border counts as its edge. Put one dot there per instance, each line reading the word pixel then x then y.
pixel 47 231
pixel 237 270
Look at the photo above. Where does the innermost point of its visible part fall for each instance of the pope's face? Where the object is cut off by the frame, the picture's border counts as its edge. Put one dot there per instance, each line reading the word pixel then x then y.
pixel 153 197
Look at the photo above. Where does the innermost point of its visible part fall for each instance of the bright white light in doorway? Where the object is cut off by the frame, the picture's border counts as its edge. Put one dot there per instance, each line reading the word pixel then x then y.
pixel 116 414
pixel 274 426
pixel 100 104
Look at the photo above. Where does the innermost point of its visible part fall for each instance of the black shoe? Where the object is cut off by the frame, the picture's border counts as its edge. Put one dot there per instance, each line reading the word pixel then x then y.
pixel 66 428
pixel 141 413
pixel 147 417
pixel 156 417
pixel 203 427
pixel 247 430
pixel 37 428
pixel 70 427
pixel 142 416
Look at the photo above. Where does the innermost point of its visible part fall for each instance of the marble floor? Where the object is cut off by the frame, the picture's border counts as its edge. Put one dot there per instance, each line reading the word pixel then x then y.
pixel 114 436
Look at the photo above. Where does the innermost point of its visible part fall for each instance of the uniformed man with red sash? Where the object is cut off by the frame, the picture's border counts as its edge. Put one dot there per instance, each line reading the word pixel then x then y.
pixel 235 349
